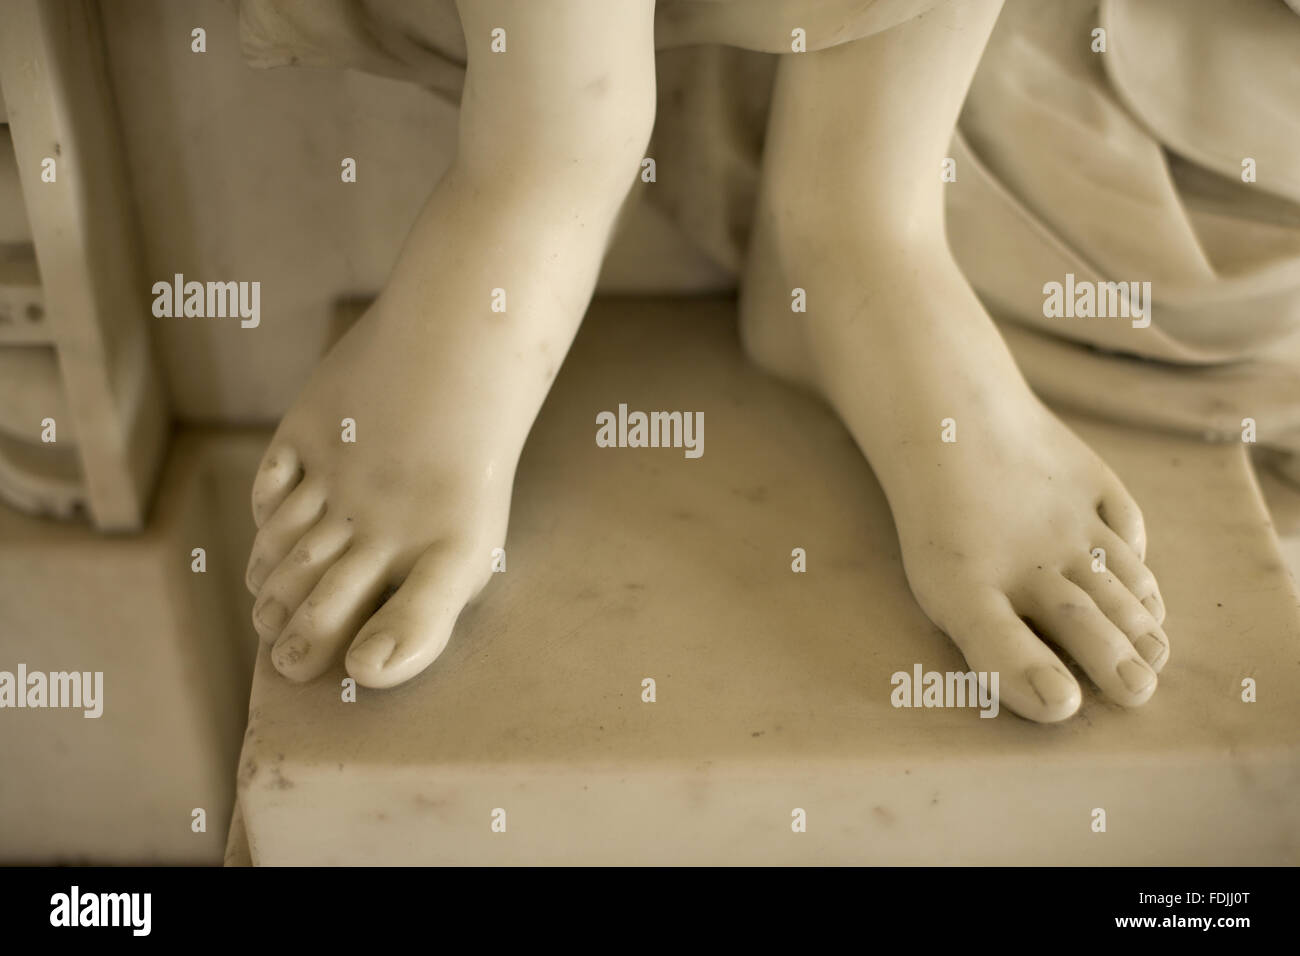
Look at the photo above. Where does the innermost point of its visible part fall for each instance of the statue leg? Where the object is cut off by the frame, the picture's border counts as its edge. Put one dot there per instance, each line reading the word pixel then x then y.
pixel 1013 532
pixel 393 469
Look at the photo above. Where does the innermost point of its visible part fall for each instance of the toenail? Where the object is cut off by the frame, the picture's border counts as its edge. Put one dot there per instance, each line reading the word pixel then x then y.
pixel 1136 676
pixel 1152 649
pixel 1051 686
pixel 374 651
pixel 288 651
pixel 271 614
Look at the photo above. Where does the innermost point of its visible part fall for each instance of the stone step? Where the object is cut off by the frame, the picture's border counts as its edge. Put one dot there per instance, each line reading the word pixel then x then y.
pixel 773 688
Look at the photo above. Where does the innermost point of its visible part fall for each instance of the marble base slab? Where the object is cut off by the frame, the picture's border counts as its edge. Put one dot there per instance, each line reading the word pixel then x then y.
pixel 122 788
pixel 773 688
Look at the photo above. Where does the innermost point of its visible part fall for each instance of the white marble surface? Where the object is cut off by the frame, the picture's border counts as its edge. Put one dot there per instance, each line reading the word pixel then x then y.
pixel 122 788
pixel 774 687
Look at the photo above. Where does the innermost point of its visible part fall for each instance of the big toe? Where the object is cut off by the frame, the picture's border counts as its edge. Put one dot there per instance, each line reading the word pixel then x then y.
pixel 412 628
pixel 1031 680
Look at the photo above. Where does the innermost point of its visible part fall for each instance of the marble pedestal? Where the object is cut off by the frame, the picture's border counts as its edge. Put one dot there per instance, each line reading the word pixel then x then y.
pixel 773 688
pixel 172 646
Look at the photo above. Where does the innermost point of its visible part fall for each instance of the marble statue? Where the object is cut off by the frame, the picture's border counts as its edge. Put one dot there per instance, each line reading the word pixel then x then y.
pixel 387 486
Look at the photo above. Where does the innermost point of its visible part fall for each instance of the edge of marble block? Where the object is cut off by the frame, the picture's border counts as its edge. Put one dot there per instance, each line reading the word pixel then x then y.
pixel 237 841
pixel 1195 777
pixel 909 815
pixel 643 811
